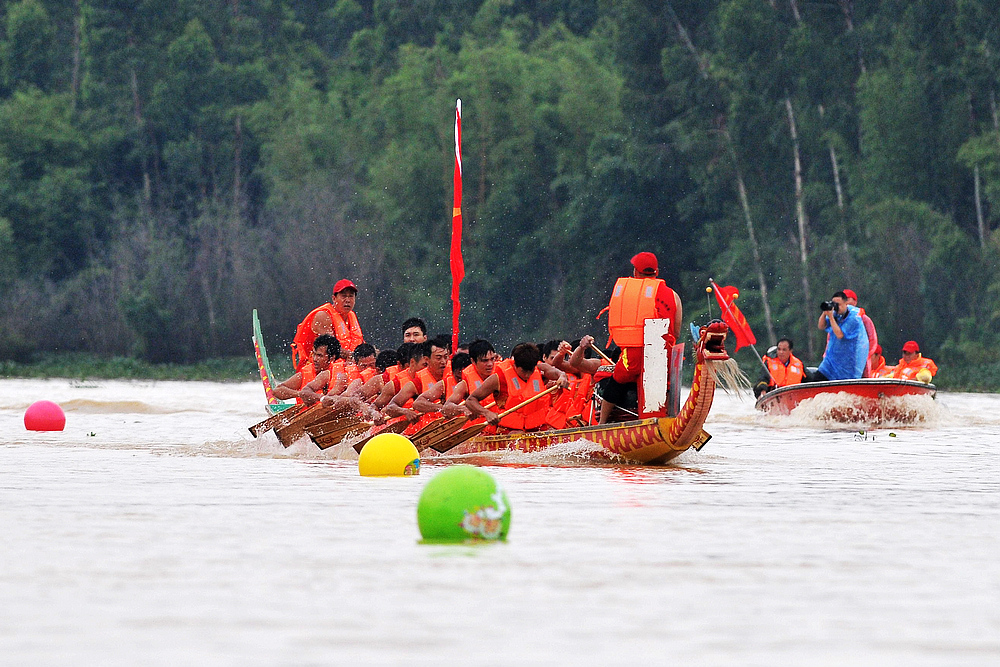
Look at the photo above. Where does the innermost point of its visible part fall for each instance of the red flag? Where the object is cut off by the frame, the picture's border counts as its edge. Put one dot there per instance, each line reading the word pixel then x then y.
pixel 732 316
pixel 457 264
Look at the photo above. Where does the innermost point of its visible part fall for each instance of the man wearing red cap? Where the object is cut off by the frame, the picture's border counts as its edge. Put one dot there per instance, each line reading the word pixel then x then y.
pixel 913 362
pixel 852 300
pixel 337 318
pixel 633 301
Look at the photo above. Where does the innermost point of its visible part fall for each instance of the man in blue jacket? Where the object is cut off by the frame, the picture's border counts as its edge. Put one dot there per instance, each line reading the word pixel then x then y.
pixel 847 346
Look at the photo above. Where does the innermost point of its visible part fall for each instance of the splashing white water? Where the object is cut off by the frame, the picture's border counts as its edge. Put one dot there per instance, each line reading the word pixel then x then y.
pixel 845 411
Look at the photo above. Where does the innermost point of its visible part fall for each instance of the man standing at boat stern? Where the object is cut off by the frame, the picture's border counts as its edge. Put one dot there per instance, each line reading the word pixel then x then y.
pixel 633 301
pixel 847 345
pixel 336 318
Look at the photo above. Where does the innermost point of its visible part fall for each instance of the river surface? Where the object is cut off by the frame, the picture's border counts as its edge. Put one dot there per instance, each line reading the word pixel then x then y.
pixel 155 530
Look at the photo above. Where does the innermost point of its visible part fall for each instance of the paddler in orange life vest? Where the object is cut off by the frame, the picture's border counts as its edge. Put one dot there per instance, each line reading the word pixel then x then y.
pixel 413 357
pixel 573 407
pixel 414 331
pixel 912 363
pixel 433 401
pixel 311 381
pixel 633 301
pixel 483 360
pixel 783 369
pixel 337 318
pixel 401 404
pixel 525 378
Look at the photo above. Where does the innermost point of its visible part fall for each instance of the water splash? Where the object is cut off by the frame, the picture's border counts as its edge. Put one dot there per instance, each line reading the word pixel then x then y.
pixel 845 411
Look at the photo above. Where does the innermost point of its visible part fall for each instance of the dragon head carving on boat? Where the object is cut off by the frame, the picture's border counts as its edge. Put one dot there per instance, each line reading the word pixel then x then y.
pixel 710 351
pixel 711 345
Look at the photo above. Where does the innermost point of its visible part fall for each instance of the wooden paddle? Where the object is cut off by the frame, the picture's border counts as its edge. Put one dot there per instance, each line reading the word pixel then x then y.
pixel 331 438
pixel 444 444
pixel 274 420
pixel 395 427
pixel 443 431
pixel 603 356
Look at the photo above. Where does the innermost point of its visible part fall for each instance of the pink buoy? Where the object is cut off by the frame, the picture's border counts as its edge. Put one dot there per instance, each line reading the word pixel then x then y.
pixel 44 416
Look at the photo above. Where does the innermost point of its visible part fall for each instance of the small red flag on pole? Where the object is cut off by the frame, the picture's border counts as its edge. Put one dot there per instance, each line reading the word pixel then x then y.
pixel 731 315
pixel 457 264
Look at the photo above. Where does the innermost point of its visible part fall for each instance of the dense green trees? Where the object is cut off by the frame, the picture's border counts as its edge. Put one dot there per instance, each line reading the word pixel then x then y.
pixel 167 166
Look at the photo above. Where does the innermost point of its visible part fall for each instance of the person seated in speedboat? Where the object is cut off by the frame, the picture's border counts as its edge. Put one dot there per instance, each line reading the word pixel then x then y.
pixel 312 380
pixel 912 363
pixel 781 369
pixel 846 353
pixel 879 369
pixel 508 387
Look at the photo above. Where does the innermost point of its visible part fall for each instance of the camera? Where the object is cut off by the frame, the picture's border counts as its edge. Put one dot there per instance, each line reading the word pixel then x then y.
pixel 825 306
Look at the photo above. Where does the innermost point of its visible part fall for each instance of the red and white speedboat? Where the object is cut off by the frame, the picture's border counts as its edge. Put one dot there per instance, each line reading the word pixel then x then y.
pixel 865 400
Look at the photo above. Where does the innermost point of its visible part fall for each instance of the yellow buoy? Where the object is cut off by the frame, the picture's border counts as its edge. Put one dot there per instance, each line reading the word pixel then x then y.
pixel 925 376
pixel 389 455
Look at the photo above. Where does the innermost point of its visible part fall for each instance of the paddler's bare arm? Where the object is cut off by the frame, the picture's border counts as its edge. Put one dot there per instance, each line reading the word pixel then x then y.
pixel 310 392
pixel 679 316
pixel 395 407
pixel 322 324
pixel 553 375
pixel 581 363
pixel 474 402
pixel 430 400
pixel 289 388
pixel 386 394
pixel 455 405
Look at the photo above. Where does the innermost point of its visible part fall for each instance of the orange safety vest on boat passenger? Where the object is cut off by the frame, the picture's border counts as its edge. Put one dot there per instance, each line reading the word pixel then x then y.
pixel 531 416
pixel 571 401
pixel 908 371
pixel 633 301
pixel 783 375
pixel 367 374
pixel 308 375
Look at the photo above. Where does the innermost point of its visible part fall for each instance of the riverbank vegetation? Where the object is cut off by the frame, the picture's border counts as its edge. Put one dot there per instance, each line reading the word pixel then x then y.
pixel 167 166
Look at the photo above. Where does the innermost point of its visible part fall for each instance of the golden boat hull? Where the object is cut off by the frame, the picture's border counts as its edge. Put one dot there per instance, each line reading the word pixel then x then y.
pixel 642 441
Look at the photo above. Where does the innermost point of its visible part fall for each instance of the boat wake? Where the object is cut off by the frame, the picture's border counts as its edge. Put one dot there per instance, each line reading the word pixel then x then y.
pixel 845 411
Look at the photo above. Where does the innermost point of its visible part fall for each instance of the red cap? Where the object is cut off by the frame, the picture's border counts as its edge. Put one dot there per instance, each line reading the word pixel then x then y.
pixel 343 284
pixel 851 294
pixel 645 262
pixel 911 346
pixel 877 349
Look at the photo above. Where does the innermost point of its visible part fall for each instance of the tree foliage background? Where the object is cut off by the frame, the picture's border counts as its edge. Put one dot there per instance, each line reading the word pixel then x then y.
pixel 168 165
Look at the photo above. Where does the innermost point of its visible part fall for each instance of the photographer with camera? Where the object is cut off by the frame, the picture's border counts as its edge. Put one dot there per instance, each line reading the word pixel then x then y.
pixel 847 348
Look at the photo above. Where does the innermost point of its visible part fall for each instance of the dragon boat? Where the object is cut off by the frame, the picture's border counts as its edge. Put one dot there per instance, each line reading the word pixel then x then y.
pixel 868 400
pixel 663 430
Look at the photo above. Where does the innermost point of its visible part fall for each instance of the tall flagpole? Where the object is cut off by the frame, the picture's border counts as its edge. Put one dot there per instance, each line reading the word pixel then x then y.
pixel 457 263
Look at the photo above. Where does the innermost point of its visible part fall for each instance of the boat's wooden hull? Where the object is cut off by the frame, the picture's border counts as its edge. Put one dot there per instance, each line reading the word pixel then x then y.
pixel 868 399
pixel 641 441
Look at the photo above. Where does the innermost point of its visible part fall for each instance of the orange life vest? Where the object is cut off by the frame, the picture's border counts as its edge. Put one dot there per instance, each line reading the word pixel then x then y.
pixel 424 382
pixel 308 375
pixel 367 374
pixel 473 381
pixel 783 375
pixel 531 416
pixel 348 333
pixel 908 371
pixel 882 370
pixel 571 401
pixel 633 301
